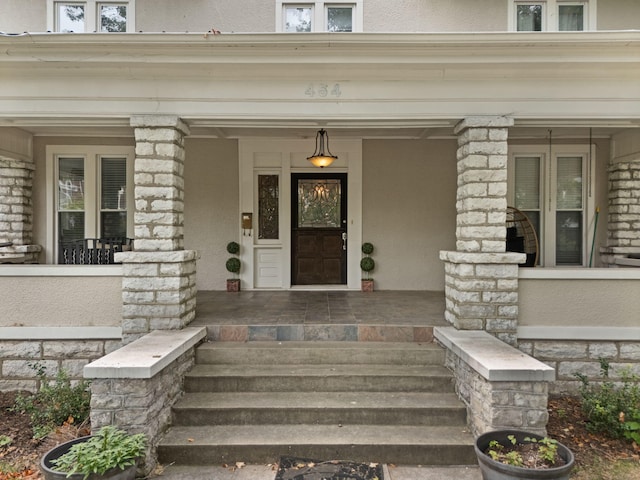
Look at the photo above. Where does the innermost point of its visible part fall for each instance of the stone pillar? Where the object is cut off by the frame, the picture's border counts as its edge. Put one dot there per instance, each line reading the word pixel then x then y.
pixel 16 208
pixel 481 279
pixel 623 225
pixel 158 276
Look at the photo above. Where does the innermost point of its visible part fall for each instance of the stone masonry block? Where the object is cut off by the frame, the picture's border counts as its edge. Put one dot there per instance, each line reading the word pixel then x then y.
pixel 568 370
pixel 597 350
pixel 157 165
pixel 630 352
pixel 23 350
pixel 474 176
pixel 549 350
pixel 22 369
pixel 472 190
pixel 472 162
pixel 70 349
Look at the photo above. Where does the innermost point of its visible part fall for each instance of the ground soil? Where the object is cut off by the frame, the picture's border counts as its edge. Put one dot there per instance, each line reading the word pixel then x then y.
pixel 20 459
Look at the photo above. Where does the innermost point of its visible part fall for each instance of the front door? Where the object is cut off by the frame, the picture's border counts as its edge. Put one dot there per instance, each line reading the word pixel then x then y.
pixel 319 228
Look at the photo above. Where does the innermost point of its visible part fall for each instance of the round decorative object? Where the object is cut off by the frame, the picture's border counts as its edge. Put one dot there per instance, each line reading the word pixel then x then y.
pixel 233 248
pixel 521 236
pixel 233 265
pixel 367 248
pixel 367 264
pixel 494 470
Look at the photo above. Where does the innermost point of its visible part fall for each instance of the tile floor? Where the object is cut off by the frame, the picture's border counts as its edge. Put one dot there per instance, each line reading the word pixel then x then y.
pixel 320 315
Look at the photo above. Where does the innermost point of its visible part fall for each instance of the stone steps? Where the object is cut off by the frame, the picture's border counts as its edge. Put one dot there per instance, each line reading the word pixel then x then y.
pixel 360 401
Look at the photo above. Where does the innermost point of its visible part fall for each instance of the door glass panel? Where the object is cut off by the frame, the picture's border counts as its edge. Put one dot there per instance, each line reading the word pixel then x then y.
pixel 268 207
pixel 568 238
pixel 529 17
pixel 113 18
pixel 70 199
pixel 339 19
pixel 319 203
pixel 297 19
pixel 113 201
pixel 569 189
pixel 527 191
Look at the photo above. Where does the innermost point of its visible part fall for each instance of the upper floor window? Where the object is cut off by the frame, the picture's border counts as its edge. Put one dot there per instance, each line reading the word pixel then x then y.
pixel 319 16
pixel 91 16
pixel 552 15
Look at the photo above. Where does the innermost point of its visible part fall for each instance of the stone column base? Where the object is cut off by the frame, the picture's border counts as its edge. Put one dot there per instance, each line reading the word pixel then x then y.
pixel 481 292
pixel 158 291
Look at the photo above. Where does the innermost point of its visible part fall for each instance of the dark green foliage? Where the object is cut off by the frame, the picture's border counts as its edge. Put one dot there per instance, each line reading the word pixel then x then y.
pixel 613 409
pixel 107 449
pixel 233 248
pixel 367 264
pixel 55 403
pixel 233 265
pixel 367 248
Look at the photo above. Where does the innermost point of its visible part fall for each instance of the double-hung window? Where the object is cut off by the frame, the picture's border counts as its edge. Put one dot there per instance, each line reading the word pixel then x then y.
pixel 555 190
pixel 319 16
pixel 552 15
pixel 92 190
pixel 80 16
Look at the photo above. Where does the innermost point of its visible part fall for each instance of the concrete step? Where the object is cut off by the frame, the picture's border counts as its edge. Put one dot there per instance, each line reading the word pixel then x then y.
pixel 326 408
pixel 262 353
pixel 413 445
pixel 318 378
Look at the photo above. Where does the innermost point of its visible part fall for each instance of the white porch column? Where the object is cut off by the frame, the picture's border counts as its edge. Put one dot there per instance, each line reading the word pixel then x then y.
pixel 16 187
pixel 159 276
pixel 623 225
pixel 481 279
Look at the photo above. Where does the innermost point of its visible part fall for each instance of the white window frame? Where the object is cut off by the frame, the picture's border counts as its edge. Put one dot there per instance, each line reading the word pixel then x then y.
pixel 550 13
pixel 92 154
pixel 548 205
pixel 319 10
pixel 92 17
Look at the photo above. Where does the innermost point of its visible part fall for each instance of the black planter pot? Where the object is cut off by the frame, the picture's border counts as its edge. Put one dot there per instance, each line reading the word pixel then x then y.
pixel 493 470
pixel 46 467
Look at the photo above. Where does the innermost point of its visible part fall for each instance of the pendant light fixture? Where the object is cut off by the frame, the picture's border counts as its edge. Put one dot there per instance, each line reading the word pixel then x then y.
pixel 320 157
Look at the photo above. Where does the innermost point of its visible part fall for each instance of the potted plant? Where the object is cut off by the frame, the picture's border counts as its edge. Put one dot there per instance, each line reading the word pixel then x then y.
pixel 367 264
pixel 233 266
pixel 513 454
pixel 110 454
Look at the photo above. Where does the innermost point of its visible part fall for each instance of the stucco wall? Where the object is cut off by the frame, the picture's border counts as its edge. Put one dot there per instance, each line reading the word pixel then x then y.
pixel 18 16
pixel 61 301
pixel 409 214
pixel 578 303
pixel 435 16
pixel 203 15
pixel 212 215
pixel 618 15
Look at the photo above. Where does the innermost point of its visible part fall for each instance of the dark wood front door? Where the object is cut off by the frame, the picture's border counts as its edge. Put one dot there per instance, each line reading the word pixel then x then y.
pixel 319 228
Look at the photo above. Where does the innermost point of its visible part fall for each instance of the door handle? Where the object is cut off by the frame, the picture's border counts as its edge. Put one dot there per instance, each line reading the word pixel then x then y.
pixel 344 240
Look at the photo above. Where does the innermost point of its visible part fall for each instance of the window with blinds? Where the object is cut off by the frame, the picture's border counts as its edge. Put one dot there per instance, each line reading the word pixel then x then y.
pixel 552 191
pixel 113 201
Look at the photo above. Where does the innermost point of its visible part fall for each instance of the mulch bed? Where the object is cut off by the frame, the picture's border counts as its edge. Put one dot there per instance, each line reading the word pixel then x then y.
pixel 292 468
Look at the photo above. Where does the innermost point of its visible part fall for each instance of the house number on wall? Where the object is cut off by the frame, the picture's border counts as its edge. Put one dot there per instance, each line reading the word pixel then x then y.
pixel 323 90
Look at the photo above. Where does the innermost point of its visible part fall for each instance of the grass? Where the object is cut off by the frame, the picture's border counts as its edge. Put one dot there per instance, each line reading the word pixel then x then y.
pixel 604 469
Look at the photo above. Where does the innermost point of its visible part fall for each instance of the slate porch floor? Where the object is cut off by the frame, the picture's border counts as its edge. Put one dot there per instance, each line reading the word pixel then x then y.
pixel 320 315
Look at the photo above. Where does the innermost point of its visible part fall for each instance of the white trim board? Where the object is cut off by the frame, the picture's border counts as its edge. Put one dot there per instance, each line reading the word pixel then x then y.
pixel 621 334
pixel 60 333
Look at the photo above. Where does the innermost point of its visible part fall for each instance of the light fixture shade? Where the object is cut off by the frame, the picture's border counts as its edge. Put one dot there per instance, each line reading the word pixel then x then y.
pixel 320 157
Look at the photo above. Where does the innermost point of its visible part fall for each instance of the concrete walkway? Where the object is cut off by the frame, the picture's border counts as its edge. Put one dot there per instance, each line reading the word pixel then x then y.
pixel 267 472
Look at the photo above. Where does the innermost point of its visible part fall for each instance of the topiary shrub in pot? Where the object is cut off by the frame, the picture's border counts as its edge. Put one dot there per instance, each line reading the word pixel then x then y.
pixel 233 265
pixel 367 264
pixel 110 454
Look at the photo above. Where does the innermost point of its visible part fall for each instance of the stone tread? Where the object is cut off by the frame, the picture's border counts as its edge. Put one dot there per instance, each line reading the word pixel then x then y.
pixel 285 435
pixel 294 400
pixel 324 370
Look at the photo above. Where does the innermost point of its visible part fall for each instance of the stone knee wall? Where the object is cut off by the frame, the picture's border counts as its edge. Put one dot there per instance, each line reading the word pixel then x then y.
pixel 493 405
pixel 17 358
pixel 569 357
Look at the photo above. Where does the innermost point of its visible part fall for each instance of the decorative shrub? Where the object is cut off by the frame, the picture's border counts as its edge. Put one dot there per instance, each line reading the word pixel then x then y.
pixel 367 264
pixel 233 265
pixel 233 248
